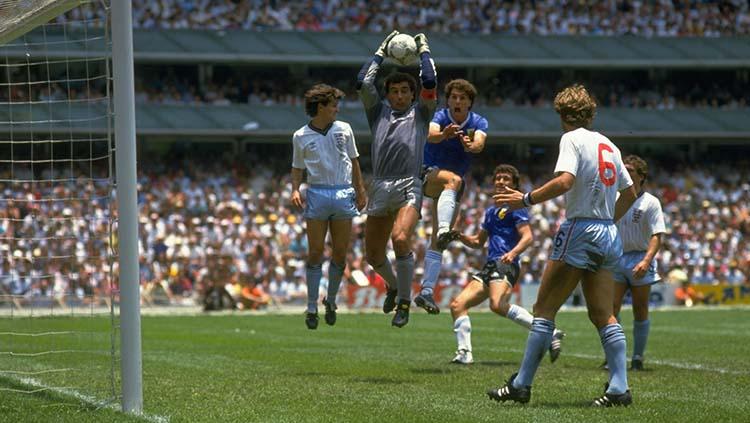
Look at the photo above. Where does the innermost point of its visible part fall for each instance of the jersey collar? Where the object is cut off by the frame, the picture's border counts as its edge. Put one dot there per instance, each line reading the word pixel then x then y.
pixel 460 126
pixel 323 132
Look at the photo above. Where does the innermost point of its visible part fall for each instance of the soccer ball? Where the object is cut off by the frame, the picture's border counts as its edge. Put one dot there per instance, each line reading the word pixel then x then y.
pixel 402 49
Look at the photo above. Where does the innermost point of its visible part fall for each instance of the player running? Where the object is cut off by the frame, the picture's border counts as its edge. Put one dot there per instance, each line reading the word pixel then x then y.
pixel 641 230
pixel 399 129
pixel 326 148
pixel 456 134
pixel 589 172
pixel 510 235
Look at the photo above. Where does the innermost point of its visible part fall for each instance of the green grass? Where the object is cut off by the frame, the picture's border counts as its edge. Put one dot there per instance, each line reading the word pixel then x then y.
pixel 271 368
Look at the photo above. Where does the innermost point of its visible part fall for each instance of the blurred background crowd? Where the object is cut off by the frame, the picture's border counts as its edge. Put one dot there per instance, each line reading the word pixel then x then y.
pixel 228 223
pixel 651 18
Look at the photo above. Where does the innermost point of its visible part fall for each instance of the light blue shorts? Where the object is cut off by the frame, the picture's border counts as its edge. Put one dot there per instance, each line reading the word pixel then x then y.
pixel 624 271
pixel 588 244
pixel 330 202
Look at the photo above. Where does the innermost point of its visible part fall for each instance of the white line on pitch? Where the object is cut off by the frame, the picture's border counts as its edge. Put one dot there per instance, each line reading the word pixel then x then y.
pixel 86 399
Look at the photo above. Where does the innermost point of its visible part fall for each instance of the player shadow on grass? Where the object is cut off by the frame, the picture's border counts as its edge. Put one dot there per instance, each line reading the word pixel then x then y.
pixel 490 363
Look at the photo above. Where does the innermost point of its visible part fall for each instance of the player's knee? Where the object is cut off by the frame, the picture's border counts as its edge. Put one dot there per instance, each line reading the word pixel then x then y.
pixel 401 243
pixel 497 307
pixel 453 182
pixel 457 306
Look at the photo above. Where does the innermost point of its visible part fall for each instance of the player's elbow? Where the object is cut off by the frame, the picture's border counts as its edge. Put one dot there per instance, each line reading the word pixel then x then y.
pixel 566 181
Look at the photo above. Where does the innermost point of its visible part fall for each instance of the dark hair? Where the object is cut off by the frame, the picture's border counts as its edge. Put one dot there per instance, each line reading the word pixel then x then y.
pixel 320 94
pixel 510 170
pixel 638 164
pixel 398 77
pixel 462 85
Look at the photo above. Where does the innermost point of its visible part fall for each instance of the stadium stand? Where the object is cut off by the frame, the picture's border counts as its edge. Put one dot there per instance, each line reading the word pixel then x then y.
pixel 229 222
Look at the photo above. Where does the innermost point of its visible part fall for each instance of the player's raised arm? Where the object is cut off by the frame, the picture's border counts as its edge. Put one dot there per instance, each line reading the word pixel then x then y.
pixel 368 92
pixel 475 241
pixel 428 76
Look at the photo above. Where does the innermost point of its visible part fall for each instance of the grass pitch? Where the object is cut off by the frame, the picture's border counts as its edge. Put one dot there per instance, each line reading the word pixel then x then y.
pixel 245 367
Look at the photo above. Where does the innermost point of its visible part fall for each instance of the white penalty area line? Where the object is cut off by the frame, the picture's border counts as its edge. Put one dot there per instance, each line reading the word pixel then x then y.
pixel 83 398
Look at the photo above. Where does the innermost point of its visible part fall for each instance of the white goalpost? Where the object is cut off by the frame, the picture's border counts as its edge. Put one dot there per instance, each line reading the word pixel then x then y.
pixel 69 274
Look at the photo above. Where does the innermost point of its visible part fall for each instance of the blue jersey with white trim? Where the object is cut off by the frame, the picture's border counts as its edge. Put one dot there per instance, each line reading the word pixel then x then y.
pixel 449 154
pixel 501 226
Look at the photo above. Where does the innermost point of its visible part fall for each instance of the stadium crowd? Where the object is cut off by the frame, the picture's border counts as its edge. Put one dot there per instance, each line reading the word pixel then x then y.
pixel 650 18
pixel 226 227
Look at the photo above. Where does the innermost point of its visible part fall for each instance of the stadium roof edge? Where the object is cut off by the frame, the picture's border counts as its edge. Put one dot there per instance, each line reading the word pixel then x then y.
pixel 328 48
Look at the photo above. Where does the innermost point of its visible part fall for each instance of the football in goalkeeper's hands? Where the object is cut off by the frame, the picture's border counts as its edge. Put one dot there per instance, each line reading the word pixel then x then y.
pixel 402 49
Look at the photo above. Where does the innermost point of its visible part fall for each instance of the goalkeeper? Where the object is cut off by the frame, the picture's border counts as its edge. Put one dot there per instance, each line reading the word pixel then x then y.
pixel 399 127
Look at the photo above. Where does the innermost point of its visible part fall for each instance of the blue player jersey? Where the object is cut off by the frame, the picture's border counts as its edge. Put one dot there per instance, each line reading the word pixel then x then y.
pixel 449 154
pixel 502 230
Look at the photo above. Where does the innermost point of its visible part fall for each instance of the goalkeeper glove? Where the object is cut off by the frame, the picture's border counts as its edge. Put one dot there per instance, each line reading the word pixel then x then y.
pixel 422 46
pixel 382 51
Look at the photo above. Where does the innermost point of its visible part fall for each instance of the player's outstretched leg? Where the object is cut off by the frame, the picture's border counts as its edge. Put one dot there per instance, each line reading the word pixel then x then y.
pixel 508 392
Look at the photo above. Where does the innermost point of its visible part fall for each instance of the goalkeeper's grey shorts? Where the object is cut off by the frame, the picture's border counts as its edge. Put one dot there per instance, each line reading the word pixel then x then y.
pixel 386 196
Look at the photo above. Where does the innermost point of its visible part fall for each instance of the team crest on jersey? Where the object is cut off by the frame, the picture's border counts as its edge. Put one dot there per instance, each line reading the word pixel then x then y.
pixel 502 212
pixel 637 215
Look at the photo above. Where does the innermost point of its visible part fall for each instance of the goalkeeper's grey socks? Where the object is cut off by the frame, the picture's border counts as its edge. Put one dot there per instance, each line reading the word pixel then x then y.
pixel 405 275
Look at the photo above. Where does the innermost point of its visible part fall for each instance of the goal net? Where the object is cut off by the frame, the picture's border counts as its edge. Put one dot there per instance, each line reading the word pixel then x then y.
pixel 58 288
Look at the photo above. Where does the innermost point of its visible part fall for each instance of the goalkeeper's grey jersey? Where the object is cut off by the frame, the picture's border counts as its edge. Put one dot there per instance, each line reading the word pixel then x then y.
pixel 398 138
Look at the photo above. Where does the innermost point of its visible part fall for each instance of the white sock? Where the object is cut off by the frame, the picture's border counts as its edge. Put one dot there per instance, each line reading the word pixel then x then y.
pixel 462 327
pixel 521 316
pixel 445 207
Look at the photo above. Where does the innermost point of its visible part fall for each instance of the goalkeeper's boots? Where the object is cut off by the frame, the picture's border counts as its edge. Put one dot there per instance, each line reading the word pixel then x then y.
pixel 330 316
pixel 555 347
pixel 463 357
pixel 445 238
pixel 613 400
pixel 311 320
pixel 428 303
pixel 636 363
pixel 402 314
pixel 390 301
pixel 508 392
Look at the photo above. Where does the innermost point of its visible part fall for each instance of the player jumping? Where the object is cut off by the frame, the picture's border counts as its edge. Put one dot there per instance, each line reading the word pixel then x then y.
pixel 456 134
pixel 326 148
pixel 399 129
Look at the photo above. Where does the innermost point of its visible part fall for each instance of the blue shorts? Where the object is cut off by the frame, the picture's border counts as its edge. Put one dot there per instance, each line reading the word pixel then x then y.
pixel 624 271
pixel 588 244
pixel 330 202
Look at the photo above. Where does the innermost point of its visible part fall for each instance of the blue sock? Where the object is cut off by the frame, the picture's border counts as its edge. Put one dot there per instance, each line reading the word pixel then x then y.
pixel 433 261
pixel 335 272
pixel 314 272
pixel 446 205
pixel 404 276
pixel 537 345
pixel 640 336
pixel 613 342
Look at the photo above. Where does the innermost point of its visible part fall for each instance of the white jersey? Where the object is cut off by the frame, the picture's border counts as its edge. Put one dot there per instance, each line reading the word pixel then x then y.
pixel 643 220
pixel 326 155
pixel 600 174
